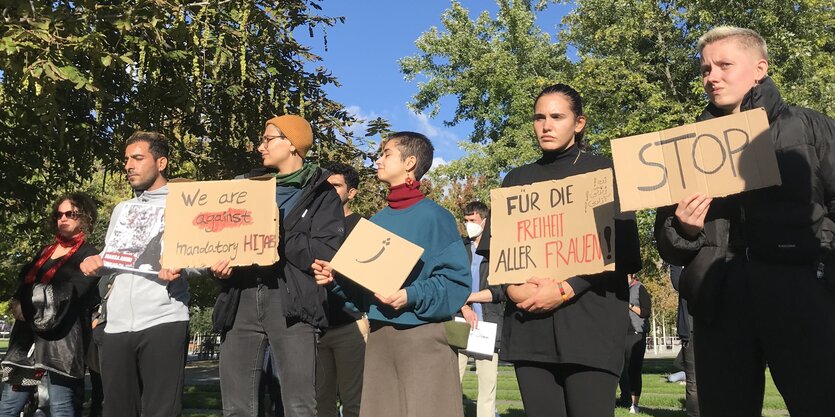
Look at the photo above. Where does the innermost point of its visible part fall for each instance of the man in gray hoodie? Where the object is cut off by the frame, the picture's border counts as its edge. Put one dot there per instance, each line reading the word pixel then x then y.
pixel 146 307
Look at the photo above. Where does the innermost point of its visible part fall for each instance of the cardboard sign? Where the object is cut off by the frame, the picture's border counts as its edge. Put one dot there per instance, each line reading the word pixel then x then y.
pixel 556 229
pixel 135 243
pixel 717 157
pixel 376 259
pixel 210 221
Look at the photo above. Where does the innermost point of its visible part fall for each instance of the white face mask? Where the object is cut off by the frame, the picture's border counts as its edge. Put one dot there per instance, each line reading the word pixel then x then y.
pixel 473 230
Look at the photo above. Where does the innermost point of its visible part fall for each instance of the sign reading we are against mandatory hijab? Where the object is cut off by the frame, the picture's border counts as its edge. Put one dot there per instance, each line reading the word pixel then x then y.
pixel 555 229
pixel 210 221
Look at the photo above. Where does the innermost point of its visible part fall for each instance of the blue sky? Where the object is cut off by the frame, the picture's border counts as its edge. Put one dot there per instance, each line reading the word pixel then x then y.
pixel 363 52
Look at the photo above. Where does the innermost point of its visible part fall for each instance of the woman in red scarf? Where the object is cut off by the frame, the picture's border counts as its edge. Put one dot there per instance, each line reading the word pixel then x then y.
pixel 52 313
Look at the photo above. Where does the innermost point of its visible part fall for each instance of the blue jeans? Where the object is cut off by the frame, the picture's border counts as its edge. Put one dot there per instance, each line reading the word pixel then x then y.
pixel 61 397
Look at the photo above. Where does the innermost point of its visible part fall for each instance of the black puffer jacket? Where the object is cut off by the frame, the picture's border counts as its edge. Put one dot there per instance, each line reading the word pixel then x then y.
pixel 313 229
pixel 791 223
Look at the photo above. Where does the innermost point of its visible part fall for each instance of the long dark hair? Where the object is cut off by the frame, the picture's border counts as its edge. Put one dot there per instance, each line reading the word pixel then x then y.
pixel 574 100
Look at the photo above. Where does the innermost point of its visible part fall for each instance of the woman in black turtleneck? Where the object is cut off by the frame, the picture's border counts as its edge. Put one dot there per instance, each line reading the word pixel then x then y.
pixel 568 354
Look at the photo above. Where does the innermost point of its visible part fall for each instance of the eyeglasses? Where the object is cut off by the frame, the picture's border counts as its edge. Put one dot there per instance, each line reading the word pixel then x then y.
pixel 72 215
pixel 267 138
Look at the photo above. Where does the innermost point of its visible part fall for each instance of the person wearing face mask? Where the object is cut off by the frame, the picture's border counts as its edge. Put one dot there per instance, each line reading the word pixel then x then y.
pixel 758 277
pixel 483 304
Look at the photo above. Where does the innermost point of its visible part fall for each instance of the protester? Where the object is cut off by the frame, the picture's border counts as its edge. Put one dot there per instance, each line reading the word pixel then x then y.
pixel 280 305
pixel 146 312
pixel 52 314
pixel 410 370
pixel 686 358
pixel 483 304
pixel 342 347
pixel 565 339
pixel 758 276
pixel 640 308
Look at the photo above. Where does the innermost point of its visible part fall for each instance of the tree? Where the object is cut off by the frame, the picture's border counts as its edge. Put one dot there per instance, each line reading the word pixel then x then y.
pixel 78 77
pixel 494 68
pixel 636 67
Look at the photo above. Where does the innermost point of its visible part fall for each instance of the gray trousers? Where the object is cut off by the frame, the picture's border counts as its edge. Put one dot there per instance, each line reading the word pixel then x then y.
pixel 260 321
pixel 410 372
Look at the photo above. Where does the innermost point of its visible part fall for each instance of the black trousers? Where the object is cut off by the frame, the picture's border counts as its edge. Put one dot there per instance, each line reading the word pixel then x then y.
pixel 770 314
pixel 691 397
pixel 563 390
pixel 630 379
pixel 142 372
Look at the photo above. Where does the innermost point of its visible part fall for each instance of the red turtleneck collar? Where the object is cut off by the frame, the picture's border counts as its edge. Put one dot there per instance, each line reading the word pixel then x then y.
pixel 404 195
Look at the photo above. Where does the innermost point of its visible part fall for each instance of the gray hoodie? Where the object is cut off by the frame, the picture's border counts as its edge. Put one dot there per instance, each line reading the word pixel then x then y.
pixel 138 301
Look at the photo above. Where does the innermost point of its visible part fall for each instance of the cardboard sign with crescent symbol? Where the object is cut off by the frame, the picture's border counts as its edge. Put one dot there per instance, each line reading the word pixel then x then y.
pixel 376 258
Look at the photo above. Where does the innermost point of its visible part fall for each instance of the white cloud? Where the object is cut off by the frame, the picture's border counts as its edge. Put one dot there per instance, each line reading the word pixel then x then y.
pixel 433 132
pixel 437 161
pixel 358 129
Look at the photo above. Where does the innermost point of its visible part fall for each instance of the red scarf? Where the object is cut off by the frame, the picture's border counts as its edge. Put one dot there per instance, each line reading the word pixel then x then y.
pixel 404 195
pixel 74 242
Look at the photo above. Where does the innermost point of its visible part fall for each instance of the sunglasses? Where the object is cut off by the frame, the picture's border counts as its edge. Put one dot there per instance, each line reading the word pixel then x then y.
pixel 72 215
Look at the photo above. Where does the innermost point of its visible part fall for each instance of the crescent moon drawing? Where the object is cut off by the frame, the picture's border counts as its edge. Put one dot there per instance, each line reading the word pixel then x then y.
pixel 380 253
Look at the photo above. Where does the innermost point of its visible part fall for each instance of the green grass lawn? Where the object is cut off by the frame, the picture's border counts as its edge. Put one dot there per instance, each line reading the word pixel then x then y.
pixel 659 398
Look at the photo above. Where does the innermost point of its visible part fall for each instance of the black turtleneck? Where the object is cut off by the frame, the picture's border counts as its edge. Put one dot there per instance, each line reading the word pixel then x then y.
pixel 591 329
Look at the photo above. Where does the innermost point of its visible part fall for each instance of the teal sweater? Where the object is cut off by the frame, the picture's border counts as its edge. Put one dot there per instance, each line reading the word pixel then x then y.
pixel 439 284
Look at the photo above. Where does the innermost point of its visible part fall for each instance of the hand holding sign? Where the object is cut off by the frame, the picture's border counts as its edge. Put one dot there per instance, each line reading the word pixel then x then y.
pixel 691 212
pixel 91 266
pixel 222 269
pixel 396 301
pixel 322 272
pixel 169 274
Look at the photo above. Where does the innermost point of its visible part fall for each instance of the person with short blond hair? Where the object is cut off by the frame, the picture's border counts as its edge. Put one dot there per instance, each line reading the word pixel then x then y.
pixel 759 275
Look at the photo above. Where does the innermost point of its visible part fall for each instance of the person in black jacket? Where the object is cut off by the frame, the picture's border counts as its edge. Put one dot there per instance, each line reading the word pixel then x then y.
pixel 51 308
pixel 686 358
pixel 281 305
pixel 568 354
pixel 758 275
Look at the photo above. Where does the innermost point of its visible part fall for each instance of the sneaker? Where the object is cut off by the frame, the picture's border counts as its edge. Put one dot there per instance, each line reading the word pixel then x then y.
pixel 634 409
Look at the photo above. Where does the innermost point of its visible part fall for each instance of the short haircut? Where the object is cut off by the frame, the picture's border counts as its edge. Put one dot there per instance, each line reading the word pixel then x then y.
pixel 746 38
pixel 86 207
pixel 417 145
pixel 352 178
pixel 157 142
pixel 476 207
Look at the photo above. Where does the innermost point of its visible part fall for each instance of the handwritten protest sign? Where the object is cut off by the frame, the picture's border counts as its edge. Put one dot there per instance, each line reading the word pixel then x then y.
pixel 135 243
pixel 376 258
pixel 209 221
pixel 717 157
pixel 555 229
